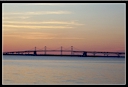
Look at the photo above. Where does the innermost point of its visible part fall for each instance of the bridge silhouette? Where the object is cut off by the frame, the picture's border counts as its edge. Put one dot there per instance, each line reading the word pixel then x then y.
pixel 34 52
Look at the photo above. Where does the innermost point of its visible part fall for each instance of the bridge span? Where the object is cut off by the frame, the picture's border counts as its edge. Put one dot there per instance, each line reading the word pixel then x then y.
pixel 61 51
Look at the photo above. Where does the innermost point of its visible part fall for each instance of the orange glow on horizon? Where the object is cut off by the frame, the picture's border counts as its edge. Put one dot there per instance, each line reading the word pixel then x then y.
pixel 95 29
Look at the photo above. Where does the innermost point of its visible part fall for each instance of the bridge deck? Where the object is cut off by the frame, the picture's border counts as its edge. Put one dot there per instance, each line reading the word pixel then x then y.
pixel 72 52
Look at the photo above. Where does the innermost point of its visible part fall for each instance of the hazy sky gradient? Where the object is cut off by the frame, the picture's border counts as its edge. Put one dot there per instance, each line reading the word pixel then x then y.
pixel 86 26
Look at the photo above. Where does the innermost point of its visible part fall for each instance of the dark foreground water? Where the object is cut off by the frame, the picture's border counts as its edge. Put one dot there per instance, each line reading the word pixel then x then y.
pixel 62 70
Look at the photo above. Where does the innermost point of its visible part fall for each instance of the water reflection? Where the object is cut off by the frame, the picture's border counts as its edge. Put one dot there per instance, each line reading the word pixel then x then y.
pixel 63 71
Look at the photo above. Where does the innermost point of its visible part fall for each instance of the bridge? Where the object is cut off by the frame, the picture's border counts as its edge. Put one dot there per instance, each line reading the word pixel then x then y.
pixel 61 51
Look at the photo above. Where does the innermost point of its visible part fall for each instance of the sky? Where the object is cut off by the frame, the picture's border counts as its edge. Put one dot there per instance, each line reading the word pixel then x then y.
pixel 85 26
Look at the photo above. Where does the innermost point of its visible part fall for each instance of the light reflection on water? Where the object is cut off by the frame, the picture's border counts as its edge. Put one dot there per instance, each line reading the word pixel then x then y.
pixel 62 70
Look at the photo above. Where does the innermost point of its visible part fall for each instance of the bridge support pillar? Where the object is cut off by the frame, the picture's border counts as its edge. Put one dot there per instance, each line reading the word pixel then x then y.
pixel 118 55
pixel 61 50
pixel 94 54
pixel 35 53
pixel 71 50
pixel 84 54
pixel 45 49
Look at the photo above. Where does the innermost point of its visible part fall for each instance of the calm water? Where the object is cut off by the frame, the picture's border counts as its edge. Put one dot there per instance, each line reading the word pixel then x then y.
pixel 62 70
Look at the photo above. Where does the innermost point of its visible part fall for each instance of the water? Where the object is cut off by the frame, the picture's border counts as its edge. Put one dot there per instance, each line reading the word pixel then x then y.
pixel 62 70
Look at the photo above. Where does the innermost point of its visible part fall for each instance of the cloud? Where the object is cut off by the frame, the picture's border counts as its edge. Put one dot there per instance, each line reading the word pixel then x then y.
pixel 17 17
pixel 39 37
pixel 45 22
pixel 70 38
pixel 37 27
pixel 38 13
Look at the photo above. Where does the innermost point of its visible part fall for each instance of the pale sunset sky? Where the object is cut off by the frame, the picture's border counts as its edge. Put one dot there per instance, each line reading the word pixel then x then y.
pixel 85 26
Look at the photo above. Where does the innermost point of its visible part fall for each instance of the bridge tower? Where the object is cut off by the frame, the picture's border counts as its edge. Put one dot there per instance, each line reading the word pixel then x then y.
pixel 35 51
